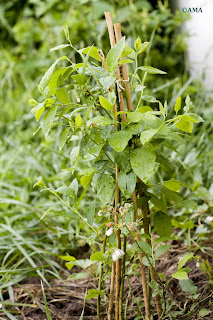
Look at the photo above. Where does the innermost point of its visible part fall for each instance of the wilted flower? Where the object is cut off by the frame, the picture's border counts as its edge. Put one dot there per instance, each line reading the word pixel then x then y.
pixel 117 254
pixel 109 224
pixel 100 213
pixel 109 231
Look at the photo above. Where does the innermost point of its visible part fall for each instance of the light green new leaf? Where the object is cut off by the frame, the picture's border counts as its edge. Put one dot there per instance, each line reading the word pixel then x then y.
pixel 162 224
pixel 105 188
pixel 93 293
pixel 149 98
pixel 91 212
pixel 143 47
pixel 65 191
pixel 105 103
pixel 180 275
pixel 93 52
pixel 79 78
pixel 63 138
pixel 74 155
pixel 61 46
pixel 78 120
pixel 186 126
pixel 119 140
pixel 48 120
pixel 172 185
pixel 74 187
pixel 147 135
pixel 62 95
pixel 183 260
pixel 178 104
pixel 53 83
pixel 137 44
pixel 152 70
pixel 114 54
pixel 78 276
pixel 134 116
pixel 143 162
pixel 97 256
pixel 126 183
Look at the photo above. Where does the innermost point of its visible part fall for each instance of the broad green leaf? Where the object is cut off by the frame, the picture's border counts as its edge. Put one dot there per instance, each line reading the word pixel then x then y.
pixel 46 78
pixel 149 98
pixel 162 249
pixel 74 187
pixel 53 83
pixel 144 109
pixel 180 275
pixel 100 120
pixel 97 256
pixel 114 54
pixel 48 120
pixel 62 95
pixel 107 82
pixel 186 117
pixel 149 121
pixel 158 203
pixel 186 126
pixel 63 138
pixel 143 246
pixel 87 177
pixel 147 135
pixel 125 61
pixel 189 204
pixel 171 195
pixel 91 212
pixel 178 104
pixel 65 191
pixel 162 224
pixel 151 70
pixel 126 183
pixel 105 188
pixel 143 162
pixel 79 78
pixel 61 46
pixel 78 120
pixel 172 185
pixel 188 286
pixel 196 117
pixel 105 103
pixel 183 260
pixel 204 312
pixel 74 155
pixel 37 107
pixel 123 160
pixel 93 52
pixel 119 140
pixel 126 51
pixel 134 116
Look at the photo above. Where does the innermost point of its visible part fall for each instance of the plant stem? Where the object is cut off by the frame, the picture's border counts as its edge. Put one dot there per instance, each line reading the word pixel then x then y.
pixel 111 297
pixel 142 267
pixel 100 282
pixel 122 279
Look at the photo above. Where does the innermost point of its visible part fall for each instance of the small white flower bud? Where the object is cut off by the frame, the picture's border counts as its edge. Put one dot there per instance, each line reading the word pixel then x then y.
pixel 117 254
pixel 100 213
pixel 109 232
pixel 209 219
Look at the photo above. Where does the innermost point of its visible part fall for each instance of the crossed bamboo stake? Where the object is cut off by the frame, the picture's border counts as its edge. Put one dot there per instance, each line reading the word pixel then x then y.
pixel 116 266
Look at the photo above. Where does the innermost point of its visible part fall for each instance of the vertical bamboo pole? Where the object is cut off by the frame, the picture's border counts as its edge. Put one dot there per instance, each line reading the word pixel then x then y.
pixel 118 34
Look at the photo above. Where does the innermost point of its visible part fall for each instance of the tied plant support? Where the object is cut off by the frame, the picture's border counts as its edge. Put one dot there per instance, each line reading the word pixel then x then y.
pixel 117 134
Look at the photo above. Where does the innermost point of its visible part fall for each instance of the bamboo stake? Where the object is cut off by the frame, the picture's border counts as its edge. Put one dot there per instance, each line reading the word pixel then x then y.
pixel 124 72
pixel 111 297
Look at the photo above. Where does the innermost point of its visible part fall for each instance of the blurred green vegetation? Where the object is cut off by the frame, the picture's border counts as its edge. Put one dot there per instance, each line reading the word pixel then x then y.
pixel 28 30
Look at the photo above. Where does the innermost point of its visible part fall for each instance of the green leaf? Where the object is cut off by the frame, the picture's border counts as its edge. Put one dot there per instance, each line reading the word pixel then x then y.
pixel 143 162
pixel 78 276
pixel 46 78
pixel 61 46
pixel 105 188
pixel 91 212
pixel 180 275
pixel 183 260
pixel 78 120
pixel 147 135
pixel 162 249
pixel 186 126
pixel 125 61
pixel 178 104
pixel 188 286
pixel 62 95
pixel 93 293
pixel 39 113
pixel 137 44
pixel 145 109
pixel 171 195
pixel 87 177
pixel 74 155
pixel 149 98
pixel 74 187
pixel 196 117
pixel 71 261
pixel 119 140
pixel 173 185
pixel 100 120
pixel 134 116
pixel 152 70
pixel 48 120
pixel 63 138
pixel 143 47
pixel 105 103
pixel 114 54
pixel 65 191
pixel 97 256
pixel 143 246
pixel 126 183
pixel 204 312
pixel 79 78
pixel 93 52
pixel 126 51
pixel 162 224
